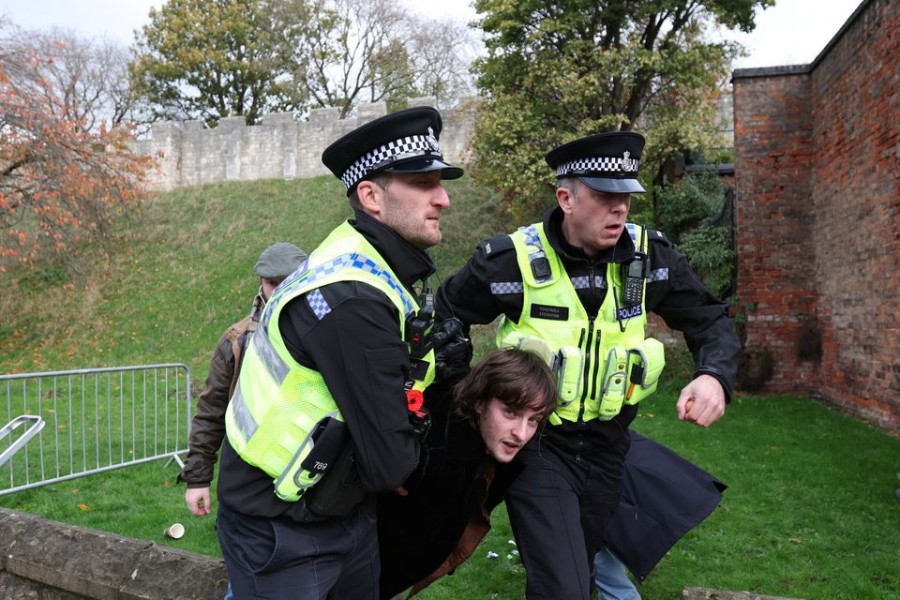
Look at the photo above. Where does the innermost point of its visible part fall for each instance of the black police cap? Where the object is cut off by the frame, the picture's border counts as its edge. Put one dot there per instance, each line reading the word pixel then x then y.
pixel 606 162
pixel 405 141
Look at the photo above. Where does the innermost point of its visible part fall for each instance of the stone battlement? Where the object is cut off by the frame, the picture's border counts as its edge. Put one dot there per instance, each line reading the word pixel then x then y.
pixel 280 147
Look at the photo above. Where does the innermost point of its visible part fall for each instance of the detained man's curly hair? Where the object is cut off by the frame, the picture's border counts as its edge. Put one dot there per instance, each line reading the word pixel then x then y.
pixel 518 378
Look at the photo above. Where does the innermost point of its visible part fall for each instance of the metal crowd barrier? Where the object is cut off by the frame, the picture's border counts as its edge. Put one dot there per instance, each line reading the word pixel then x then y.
pixel 37 424
pixel 88 421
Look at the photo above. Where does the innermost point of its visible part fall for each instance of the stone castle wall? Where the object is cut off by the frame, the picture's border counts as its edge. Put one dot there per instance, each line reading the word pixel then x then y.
pixel 280 147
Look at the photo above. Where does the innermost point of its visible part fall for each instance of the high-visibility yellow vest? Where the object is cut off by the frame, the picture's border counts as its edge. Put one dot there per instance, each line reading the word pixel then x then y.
pixel 600 363
pixel 278 402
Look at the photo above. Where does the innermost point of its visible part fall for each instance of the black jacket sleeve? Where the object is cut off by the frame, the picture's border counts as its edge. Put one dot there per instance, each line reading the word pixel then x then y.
pixel 357 347
pixel 676 294
pixel 467 294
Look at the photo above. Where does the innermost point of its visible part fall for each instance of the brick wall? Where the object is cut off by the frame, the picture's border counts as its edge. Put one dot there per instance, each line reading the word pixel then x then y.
pixel 818 217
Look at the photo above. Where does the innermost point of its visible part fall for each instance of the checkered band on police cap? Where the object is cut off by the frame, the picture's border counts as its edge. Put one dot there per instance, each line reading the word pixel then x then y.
pixel 612 156
pixel 414 146
pixel 600 165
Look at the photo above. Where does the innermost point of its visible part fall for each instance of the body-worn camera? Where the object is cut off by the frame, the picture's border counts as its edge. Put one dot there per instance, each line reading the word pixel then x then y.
pixel 419 328
pixel 419 334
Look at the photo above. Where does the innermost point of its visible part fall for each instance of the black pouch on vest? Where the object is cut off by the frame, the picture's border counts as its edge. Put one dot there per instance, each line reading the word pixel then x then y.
pixel 329 437
pixel 340 490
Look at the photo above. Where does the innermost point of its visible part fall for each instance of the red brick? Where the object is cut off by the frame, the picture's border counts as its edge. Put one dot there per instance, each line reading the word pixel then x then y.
pixel 818 215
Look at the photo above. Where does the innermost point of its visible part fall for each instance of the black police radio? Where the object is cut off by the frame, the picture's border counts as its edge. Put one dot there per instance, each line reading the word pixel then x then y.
pixel 635 274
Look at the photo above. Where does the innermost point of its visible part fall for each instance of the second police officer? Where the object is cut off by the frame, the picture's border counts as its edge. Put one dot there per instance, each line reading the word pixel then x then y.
pixel 577 288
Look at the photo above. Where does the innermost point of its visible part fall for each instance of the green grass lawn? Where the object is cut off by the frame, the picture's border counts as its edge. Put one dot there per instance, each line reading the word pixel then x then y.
pixel 809 512
pixel 810 509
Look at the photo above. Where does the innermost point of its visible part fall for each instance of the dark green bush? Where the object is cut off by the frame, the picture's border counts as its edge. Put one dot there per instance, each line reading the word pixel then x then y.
pixel 695 215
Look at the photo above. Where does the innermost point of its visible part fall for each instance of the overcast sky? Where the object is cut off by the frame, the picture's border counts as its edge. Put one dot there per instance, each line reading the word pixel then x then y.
pixel 791 32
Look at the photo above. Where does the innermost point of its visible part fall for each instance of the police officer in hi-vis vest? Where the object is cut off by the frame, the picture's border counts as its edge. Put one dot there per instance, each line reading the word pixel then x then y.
pixel 577 288
pixel 327 410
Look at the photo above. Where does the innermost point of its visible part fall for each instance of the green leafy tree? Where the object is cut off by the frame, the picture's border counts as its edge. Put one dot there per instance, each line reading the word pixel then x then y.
pixel 209 59
pixel 697 217
pixel 558 70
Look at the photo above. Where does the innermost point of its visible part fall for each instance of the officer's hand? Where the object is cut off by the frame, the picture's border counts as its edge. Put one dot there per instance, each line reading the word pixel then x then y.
pixel 197 500
pixel 452 350
pixel 702 401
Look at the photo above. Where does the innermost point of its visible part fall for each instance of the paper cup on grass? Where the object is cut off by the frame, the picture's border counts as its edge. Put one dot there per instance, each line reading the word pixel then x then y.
pixel 175 531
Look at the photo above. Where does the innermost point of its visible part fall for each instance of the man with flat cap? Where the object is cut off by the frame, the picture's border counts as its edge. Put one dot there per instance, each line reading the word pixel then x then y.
pixel 577 288
pixel 274 264
pixel 327 409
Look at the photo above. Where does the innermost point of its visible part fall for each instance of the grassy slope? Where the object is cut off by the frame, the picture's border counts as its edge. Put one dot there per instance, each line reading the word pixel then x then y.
pixel 809 512
pixel 184 274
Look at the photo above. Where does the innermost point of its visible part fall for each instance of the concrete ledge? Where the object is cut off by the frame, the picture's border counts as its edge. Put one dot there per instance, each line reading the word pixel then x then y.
pixel 46 560
pixel 708 594
pixel 38 557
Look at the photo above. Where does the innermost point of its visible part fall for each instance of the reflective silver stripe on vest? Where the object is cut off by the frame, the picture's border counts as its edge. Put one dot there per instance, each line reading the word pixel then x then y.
pixel 318 304
pixel 498 288
pixel 659 274
pixel 272 364
pixel 584 282
pixel 242 418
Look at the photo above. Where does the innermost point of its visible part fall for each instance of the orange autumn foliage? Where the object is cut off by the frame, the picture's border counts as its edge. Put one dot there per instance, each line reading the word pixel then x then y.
pixel 62 183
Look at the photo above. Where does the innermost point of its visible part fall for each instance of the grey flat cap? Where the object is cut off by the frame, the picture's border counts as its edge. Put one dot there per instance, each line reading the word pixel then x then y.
pixel 279 260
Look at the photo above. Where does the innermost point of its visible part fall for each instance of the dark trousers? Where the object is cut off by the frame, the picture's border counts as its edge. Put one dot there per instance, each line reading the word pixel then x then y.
pixel 281 559
pixel 559 507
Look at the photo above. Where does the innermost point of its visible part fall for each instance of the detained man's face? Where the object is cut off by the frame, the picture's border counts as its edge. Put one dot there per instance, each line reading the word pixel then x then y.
pixel 505 430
